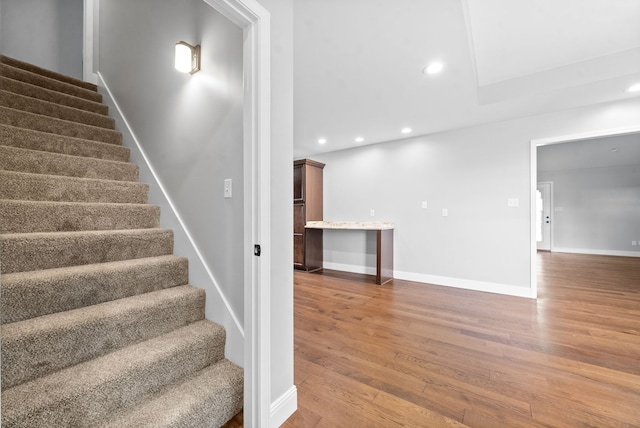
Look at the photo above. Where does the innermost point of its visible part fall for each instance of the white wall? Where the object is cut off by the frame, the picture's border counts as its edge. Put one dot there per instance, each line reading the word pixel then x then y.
pixel 47 33
pixel 596 209
pixel 472 172
pixel 190 127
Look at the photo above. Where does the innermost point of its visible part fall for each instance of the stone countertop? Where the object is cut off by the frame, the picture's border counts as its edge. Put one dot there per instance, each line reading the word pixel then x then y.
pixel 350 225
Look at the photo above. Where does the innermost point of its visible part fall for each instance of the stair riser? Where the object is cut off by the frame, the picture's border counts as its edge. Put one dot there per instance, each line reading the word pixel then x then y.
pixel 35 251
pixel 40 346
pixel 30 161
pixel 46 108
pixel 47 73
pixel 52 125
pixel 221 383
pixel 28 217
pixel 24 293
pixel 43 141
pixel 38 187
pixel 88 393
pixel 33 91
pixel 48 83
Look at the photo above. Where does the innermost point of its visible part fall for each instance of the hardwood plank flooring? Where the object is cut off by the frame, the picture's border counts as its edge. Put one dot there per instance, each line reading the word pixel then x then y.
pixel 417 355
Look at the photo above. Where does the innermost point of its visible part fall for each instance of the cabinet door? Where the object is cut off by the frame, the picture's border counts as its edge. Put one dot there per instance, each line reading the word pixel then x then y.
pixel 298 218
pixel 298 235
pixel 298 251
pixel 298 183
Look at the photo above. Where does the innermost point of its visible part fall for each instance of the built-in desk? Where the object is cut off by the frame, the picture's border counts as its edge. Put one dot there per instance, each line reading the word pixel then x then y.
pixel 384 241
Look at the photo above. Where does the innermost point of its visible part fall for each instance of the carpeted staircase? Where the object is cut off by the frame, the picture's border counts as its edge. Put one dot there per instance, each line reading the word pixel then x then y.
pixel 99 324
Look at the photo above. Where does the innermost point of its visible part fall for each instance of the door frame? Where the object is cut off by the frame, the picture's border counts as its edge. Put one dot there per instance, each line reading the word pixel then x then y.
pixel 550 183
pixel 255 22
pixel 533 184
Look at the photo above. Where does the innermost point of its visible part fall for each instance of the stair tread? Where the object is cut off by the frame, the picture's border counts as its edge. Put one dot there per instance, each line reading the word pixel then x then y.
pixel 30 139
pixel 17 216
pixel 39 122
pixel 39 346
pixel 46 250
pixel 39 162
pixel 209 397
pixel 34 91
pixel 43 187
pixel 45 72
pixel 55 110
pixel 23 75
pixel 73 287
pixel 85 394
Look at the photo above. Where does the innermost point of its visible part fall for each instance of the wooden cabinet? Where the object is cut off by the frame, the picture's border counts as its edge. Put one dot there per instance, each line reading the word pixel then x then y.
pixel 307 206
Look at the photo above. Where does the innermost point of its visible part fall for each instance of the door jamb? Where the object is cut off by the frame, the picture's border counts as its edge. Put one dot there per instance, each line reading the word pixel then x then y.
pixel 550 183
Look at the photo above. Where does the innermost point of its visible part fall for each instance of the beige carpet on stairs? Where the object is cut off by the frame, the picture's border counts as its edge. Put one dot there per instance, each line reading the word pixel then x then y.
pixel 100 326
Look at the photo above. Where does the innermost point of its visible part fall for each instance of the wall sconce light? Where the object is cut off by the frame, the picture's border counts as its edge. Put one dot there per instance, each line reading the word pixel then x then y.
pixel 187 57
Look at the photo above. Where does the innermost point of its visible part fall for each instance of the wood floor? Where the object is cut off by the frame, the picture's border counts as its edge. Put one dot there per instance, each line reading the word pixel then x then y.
pixel 416 355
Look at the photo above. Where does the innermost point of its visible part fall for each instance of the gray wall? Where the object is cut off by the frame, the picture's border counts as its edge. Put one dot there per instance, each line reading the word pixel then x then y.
pixel 596 194
pixel 472 172
pixel 47 33
pixel 189 126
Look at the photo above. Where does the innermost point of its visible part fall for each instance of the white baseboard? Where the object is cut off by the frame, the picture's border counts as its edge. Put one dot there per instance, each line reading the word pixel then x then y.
pixel 467 284
pixel 366 270
pixel 597 252
pixel 284 407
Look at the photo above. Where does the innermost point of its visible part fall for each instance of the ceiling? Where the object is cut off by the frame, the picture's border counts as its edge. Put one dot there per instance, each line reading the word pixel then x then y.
pixel 358 64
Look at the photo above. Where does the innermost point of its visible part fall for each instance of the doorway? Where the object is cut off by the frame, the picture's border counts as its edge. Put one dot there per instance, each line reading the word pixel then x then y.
pixel 544 208
pixel 534 144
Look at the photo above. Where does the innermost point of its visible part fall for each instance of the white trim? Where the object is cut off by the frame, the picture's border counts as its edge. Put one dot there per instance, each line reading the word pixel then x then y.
pixel 551 212
pixel 586 135
pixel 284 407
pixel 367 270
pixel 533 182
pixel 175 213
pixel 467 284
pixel 597 252
pixel 256 24
pixel 89 32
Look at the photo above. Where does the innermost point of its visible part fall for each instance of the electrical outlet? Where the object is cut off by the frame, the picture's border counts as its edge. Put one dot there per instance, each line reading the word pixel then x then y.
pixel 634 242
pixel 424 204
pixel 372 212
pixel 513 202
pixel 445 212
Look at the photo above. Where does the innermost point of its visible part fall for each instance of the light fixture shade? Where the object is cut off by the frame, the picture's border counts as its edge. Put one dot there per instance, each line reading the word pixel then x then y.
pixel 187 57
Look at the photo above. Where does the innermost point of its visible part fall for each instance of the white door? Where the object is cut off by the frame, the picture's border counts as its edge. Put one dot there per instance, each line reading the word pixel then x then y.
pixel 543 216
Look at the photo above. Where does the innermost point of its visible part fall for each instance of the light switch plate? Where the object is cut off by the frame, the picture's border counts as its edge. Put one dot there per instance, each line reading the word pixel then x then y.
pixel 445 212
pixel 227 188
pixel 424 204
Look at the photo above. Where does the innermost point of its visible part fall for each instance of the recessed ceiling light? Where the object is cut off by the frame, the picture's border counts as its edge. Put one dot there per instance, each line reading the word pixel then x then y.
pixel 634 88
pixel 322 140
pixel 359 139
pixel 433 68
pixel 406 130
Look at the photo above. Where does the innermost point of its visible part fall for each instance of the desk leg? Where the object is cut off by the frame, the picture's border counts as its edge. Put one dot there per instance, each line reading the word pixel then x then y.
pixel 384 256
